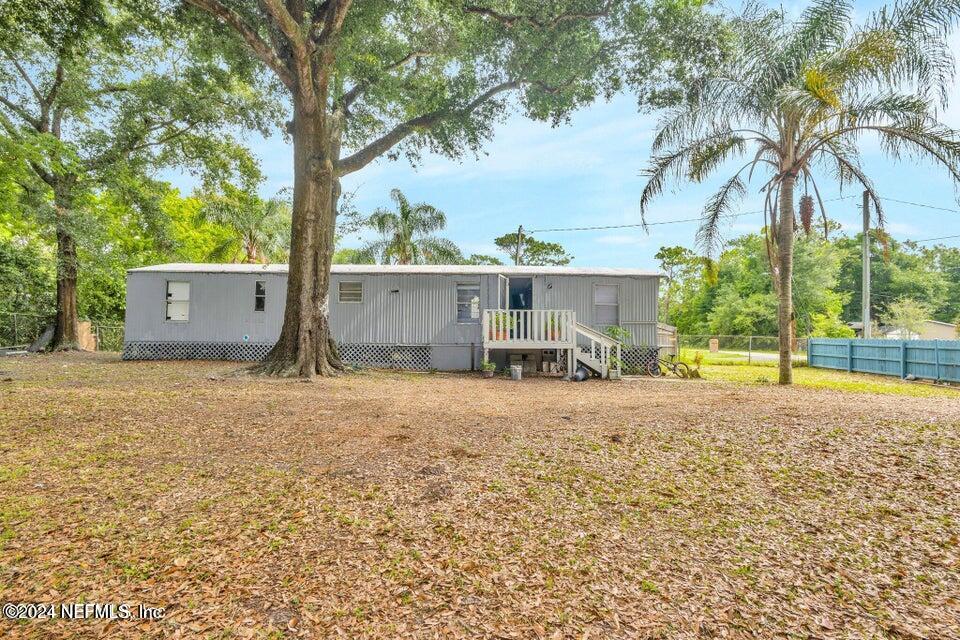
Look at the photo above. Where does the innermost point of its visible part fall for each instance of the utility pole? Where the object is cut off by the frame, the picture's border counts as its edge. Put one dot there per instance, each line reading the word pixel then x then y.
pixel 516 255
pixel 865 301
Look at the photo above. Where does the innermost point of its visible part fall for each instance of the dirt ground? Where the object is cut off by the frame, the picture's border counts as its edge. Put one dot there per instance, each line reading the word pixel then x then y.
pixel 431 505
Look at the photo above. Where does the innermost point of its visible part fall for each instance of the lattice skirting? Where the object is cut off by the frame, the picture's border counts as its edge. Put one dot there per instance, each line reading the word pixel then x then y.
pixel 240 351
pixel 635 359
pixel 415 357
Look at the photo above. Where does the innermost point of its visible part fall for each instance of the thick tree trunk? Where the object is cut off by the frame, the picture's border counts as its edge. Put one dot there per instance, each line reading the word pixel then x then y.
pixel 785 275
pixel 305 347
pixel 66 331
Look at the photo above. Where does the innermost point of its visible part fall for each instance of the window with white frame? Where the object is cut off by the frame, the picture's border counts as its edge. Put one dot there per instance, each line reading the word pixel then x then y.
pixel 350 292
pixel 178 301
pixel 468 303
pixel 606 304
pixel 260 295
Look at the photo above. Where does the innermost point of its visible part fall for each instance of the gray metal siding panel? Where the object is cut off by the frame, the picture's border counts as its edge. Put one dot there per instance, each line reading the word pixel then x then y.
pixel 375 320
pixel 454 358
pixel 638 301
pixel 422 311
pixel 221 308
pixel 403 309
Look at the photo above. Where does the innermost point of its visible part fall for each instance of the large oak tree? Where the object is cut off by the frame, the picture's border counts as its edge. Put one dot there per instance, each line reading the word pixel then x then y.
pixel 98 95
pixel 374 78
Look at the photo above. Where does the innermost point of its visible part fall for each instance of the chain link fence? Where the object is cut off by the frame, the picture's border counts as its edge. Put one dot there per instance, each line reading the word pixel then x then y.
pixel 19 330
pixel 109 336
pixel 749 348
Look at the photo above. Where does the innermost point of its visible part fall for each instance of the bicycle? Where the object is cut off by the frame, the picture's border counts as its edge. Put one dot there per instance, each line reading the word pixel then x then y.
pixel 655 368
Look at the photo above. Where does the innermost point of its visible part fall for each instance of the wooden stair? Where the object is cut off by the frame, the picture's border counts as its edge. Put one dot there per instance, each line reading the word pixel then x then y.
pixel 598 352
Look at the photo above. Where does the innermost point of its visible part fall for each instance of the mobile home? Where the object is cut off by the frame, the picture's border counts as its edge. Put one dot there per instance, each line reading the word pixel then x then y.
pixel 445 317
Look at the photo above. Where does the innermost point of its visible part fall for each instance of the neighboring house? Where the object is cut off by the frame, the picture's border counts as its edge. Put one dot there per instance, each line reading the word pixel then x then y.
pixel 445 317
pixel 932 330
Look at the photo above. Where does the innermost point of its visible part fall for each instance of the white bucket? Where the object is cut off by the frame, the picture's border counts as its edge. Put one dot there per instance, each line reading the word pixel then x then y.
pixel 516 371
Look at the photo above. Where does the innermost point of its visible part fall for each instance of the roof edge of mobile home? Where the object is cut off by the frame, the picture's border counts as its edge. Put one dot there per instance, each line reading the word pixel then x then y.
pixel 443 269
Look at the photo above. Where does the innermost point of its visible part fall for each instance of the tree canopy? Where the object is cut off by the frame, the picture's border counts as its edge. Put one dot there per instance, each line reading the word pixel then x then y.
pixel 532 251
pixel 97 96
pixel 738 297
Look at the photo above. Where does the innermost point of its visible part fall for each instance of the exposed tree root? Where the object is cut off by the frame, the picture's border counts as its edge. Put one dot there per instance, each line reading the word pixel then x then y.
pixel 285 363
pixel 65 346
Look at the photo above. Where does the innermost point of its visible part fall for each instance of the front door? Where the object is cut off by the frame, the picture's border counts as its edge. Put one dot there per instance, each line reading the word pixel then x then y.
pixel 521 293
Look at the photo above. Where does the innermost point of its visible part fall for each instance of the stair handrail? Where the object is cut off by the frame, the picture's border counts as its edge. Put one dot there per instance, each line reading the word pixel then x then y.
pixel 590 332
pixel 607 343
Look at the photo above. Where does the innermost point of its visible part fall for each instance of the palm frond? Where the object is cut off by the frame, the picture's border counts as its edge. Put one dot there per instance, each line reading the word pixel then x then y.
pixel 720 204
pixel 401 200
pixel 673 165
pixel 709 156
pixel 427 219
pixel 376 251
pixel 924 56
pixel 718 104
pixel 926 143
pixel 434 250
pixel 226 251
pixel 821 27
pixel 383 221
pixel 885 107
pixel 849 171
pixel 868 56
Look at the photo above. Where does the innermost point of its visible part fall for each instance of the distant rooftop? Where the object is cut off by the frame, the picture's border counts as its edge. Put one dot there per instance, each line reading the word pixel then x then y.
pixel 373 269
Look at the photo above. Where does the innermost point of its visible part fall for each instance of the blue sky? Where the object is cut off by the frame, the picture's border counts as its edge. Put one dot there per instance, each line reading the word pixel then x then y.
pixel 587 173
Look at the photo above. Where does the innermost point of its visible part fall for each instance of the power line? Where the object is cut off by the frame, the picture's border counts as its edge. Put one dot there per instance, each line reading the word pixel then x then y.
pixel 662 222
pixel 639 224
pixel 745 213
pixel 920 204
pixel 932 239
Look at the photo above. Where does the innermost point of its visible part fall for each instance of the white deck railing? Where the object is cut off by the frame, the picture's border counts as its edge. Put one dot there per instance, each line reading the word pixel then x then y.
pixel 552 328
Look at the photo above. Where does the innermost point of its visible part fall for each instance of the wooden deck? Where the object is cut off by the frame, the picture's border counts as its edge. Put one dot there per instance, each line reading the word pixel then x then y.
pixel 551 329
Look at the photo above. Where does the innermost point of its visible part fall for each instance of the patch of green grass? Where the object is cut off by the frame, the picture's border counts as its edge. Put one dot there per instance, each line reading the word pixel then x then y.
pixel 829 379
pixel 13 473
pixel 649 587
pixel 732 358
pixel 718 358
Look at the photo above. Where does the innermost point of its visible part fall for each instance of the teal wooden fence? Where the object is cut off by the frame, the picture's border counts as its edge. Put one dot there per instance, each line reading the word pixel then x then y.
pixel 929 359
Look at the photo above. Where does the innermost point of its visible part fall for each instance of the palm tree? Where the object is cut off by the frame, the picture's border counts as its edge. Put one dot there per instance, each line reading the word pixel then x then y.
pixel 258 230
pixel 794 99
pixel 406 235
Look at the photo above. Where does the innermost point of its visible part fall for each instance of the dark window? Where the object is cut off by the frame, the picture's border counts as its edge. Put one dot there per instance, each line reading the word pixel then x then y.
pixel 260 296
pixel 521 293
